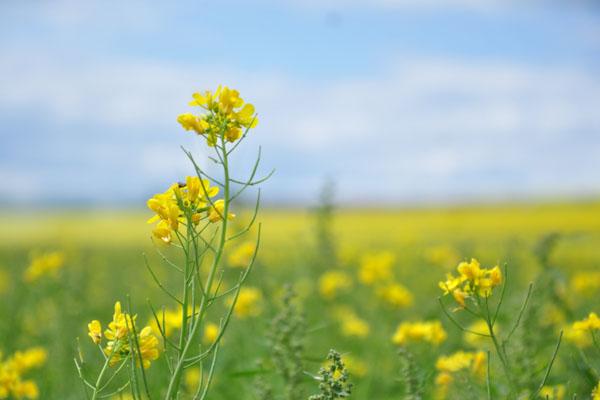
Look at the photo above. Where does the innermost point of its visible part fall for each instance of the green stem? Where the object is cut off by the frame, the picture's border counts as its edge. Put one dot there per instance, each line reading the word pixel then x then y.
pixel 177 372
pixel 499 349
pixel 96 391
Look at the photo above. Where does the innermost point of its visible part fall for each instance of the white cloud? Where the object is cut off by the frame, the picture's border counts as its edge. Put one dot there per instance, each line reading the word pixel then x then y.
pixel 425 126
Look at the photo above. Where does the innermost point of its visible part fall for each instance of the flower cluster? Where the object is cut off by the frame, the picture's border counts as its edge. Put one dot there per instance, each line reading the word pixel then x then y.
pixel 586 283
pixel 556 392
pixel 472 281
pixel 169 320
pixel 473 362
pixel 591 323
pixel 395 294
pixel 242 255
pixel 596 392
pixel 121 338
pixel 44 264
pixel 376 268
pixel 248 303
pixel 582 333
pixel 182 202
pixel 225 118
pixel 421 331
pixel 12 384
pixel 332 282
pixel 351 324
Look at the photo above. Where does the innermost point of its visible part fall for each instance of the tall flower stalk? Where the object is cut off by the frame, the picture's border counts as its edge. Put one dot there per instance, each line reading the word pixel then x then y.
pixel 191 217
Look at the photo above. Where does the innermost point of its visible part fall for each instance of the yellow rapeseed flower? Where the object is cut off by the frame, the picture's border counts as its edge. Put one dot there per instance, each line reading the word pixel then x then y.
pixel 148 344
pixel 211 332
pixel 248 303
pixel 420 331
pixel 591 323
pixel 355 366
pixel 215 212
pixel 556 392
pixel 376 268
pixel 242 255
pixel 581 332
pixel 119 335
pixel 179 200
pixel 12 384
pixel 586 283
pixel 442 255
pixel 192 378
pixel 471 281
pixel 462 360
pixel 480 328
pixel 580 338
pixel 226 115
pixel 396 295
pixel 43 265
pixel 170 320
pixel 95 331
pixel 596 392
pixel 332 282
pixel 353 325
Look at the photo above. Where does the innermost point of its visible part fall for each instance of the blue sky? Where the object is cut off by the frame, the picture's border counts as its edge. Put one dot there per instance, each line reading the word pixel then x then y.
pixel 397 100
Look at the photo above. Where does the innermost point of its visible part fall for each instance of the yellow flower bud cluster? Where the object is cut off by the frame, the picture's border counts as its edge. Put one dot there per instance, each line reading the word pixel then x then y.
pixel 225 118
pixel 471 281
pixel 190 198
pixel 12 384
pixel 119 335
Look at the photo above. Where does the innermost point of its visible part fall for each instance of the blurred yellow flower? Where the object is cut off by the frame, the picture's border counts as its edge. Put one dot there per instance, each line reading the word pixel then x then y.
pixel 591 323
pixel 331 282
pixel 443 380
pixel 442 255
pixel 12 370
pixel 420 331
pixel 596 392
pixel 242 255
pixel 556 392
pixel 355 366
pixel 396 295
pixel 43 265
pixel 578 337
pixel 586 283
pixel 376 267
pixel 211 332
pixel 192 378
pixel 215 213
pixel 169 320
pixel 479 327
pixel 461 360
pixel 148 344
pixel 248 303
pixel 353 325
